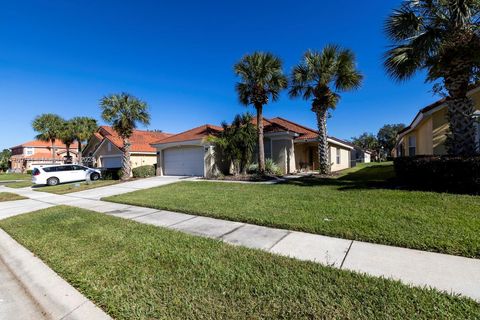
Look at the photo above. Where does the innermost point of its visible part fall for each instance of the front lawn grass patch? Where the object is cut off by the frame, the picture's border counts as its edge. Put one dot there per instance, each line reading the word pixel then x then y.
pixel 136 271
pixel 7 196
pixel 359 205
pixel 75 186
pixel 14 176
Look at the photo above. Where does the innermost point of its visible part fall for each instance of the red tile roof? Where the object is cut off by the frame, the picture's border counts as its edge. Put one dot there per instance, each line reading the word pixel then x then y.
pixel 197 133
pixel 39 156
pixel 44 144
pixel 140 140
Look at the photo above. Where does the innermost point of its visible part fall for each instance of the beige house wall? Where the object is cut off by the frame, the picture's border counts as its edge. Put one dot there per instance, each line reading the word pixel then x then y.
pixel 344 158
pixel 283 154
pixel 138 160
pixel 424 138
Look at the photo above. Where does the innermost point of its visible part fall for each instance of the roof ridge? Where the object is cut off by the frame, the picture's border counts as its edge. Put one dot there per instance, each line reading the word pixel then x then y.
pixel 301 126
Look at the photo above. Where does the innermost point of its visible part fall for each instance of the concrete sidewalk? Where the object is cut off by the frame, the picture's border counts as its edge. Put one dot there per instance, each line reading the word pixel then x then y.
pixel 452 274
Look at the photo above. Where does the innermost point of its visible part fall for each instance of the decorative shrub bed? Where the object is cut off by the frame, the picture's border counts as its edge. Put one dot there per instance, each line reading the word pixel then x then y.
pixel 143 171
pixel 442 173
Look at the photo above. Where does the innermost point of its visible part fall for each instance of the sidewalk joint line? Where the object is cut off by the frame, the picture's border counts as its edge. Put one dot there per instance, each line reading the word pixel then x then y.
pixel 346 254
pixel 232 231
pixel 276 242
pixel 174 224
pixel 71 311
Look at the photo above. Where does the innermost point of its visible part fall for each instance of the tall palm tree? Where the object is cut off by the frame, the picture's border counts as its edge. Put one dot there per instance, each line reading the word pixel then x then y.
pixel 49 127
pixel 321 77
pixel 441 37
pixel 67 136
pixel 124 111
pixel 83 128
pixel 261 80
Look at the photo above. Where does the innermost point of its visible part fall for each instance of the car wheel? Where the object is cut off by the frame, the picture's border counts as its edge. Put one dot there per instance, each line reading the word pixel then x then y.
pixel 94 176
pixel 53 181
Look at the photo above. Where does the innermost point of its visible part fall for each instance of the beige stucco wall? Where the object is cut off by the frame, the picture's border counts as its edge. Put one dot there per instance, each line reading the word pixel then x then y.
pixel 304 161
pixel 424 138
pixel 344 158
pixel 143 160
pixel 283 154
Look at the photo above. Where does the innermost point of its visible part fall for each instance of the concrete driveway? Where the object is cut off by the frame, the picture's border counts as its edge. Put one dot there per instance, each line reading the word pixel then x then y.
pixel 125 187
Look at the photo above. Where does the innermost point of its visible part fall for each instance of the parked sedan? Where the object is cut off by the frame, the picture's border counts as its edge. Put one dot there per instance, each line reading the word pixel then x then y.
pixel 54 174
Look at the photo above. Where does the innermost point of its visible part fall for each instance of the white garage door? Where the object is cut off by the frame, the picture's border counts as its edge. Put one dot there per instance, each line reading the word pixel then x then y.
pixel 184 161
pixel 112 162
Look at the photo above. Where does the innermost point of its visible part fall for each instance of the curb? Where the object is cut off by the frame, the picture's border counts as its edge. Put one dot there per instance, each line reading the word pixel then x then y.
pixel 58 299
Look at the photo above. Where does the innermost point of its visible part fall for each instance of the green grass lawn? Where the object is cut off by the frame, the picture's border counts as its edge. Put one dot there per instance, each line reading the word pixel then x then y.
pixel 360 205
pixel 7 196
pixel 72 187
pixel 6 178
pixel 136 271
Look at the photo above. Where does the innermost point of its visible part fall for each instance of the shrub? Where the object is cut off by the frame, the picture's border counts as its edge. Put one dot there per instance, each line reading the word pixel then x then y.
pixel 111 174
pixel 144 171
pixel 440 173
pixel 29 171
pixel 270 168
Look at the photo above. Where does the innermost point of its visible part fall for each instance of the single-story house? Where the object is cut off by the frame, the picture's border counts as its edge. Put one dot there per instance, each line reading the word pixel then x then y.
pixel 36 152
pixel 427 133
pixel 104 149
pixel 360 155
pixel 292 146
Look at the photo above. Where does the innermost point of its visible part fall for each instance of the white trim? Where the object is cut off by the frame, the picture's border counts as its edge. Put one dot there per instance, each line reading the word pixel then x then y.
pixel 146 153
pixel 111 155
pixel 193 143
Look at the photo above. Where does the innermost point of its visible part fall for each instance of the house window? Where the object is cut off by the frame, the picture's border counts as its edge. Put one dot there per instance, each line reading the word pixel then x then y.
pixel 477 126
pixel 28 151
pixel 338 155
pixel 412 145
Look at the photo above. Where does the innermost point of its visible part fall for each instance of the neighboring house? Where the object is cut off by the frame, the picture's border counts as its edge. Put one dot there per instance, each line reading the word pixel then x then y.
pixel 360 155
pixel 104 149
pixel 292 146
pixel 32 153
pixel 427 133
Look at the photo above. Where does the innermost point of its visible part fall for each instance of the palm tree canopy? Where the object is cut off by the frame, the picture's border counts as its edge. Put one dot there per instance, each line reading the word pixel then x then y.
pixel 124 111
pixel 262 78
pixel 83 127
pixel 428 34
pixel 49 126
pixel 323 75
pixel 67 133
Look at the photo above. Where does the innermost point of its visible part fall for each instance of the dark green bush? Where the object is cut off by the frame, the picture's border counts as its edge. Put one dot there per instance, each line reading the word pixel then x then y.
pixel 111 174
pixel 144 171
pixel 29 171
pixel 440 173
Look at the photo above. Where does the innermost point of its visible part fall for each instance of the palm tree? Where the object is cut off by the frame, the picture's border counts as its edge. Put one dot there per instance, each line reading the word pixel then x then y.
pixel 124 111
pixel 442 38
pixel 261 80
pixel 48 126
pixel 67 135
pixel 321 77
pixel 83 128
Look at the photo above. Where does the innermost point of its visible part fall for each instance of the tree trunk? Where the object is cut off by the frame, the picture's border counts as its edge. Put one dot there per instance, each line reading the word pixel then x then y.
pixel 53 151
pixel 323 154
pixel 79 152
pixel 126 169
pixel 261 148
pixel 461 136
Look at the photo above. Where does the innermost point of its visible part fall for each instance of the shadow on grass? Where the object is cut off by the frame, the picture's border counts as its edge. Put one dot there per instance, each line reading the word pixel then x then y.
pixel 372 177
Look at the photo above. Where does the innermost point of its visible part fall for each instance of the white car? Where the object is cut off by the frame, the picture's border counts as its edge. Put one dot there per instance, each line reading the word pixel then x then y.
pixel 54 174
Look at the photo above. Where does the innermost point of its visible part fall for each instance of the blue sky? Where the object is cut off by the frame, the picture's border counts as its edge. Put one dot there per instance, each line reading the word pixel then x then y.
pixel 63 56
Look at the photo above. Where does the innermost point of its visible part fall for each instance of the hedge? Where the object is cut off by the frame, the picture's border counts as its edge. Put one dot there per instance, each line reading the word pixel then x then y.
pixel 144 171
pixel 442 173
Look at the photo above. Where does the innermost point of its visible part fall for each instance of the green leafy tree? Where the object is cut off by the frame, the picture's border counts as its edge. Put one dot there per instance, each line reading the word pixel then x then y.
pixel 320 78
pixel 441 37
pixel 49 127
pixel 261 81
pixel 124 112
pixel 83 128
pixel 4 159
pixel 366 141
pixel 387 136
pixel 236 143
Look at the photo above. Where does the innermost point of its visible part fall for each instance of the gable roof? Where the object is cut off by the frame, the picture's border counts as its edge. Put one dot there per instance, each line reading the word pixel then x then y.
pixel 44 144
pixel 197 133
pixel 140 140
pixel 276 124
pixel 426 110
